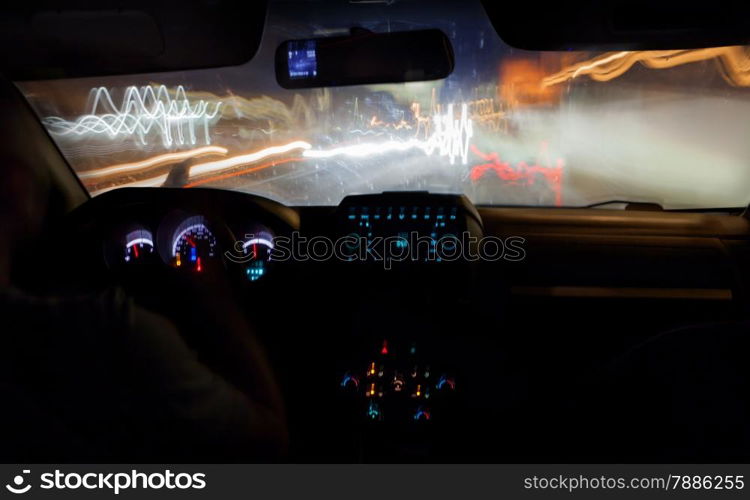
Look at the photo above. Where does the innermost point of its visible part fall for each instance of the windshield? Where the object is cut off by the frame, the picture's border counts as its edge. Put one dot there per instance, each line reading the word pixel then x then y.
pixel 508 127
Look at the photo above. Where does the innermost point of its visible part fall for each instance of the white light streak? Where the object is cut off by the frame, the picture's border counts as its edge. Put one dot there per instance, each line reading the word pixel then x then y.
pixel 143 111
pixel 450 138
pixel 365 149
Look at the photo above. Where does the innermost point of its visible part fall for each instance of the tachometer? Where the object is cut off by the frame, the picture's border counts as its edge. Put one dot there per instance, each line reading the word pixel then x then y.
pixel 193 245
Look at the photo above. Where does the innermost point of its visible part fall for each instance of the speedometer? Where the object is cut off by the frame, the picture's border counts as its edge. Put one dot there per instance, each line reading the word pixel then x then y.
pixel 193 245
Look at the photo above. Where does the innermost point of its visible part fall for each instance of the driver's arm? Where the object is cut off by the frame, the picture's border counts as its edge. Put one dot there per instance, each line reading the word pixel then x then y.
pixel 98 378
pixel 200 411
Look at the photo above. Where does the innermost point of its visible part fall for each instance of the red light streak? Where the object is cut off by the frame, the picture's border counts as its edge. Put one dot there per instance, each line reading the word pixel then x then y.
pixel 521 173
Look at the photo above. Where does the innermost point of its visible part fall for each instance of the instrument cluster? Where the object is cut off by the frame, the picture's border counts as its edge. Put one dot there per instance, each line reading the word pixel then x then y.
pixel 191 243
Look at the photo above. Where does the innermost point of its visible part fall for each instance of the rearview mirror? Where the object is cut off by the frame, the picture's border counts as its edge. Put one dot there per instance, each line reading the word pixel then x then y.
pixel 364 58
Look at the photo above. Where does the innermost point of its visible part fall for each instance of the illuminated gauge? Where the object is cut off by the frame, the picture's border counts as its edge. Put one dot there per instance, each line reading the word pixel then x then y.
pixel 193 245
pixel 257 251
pixel 139 245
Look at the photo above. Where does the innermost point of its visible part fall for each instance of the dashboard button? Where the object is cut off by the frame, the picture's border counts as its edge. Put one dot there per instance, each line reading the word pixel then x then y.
pixel 374 412
pixel 446 383
pixel 398 383
pixel 350 382
pixel 422 414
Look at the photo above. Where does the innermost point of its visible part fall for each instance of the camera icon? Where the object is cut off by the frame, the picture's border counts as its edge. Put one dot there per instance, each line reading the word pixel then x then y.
pixel 17 486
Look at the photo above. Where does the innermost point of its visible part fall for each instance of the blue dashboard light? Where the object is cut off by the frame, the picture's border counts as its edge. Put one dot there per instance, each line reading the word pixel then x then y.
pixel 255 270
pixel 373 411
pixel 403 240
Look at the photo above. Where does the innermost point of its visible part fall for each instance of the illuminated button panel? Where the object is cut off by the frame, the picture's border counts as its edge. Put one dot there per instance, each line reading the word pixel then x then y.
pixel 402 223
pixel 397 385
pixel 408 226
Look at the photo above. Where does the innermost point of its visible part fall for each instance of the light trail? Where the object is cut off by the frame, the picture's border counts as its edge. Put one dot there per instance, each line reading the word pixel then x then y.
pixel 150 182
pixel 734 64
pixel 487 113
pixel 451 139
pixel 521 173
pixel 590 67
pixel 154 161
pixel 237 161
pixel 143 111
pixel 229 175
pixel 401 124
pixel 365 149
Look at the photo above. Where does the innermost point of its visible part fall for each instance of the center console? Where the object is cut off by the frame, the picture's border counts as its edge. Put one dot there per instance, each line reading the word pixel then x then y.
pixel 385 365
pixel 398 377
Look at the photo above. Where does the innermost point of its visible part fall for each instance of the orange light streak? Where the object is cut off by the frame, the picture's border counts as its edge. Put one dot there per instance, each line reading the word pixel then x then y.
pixel 244 159
pixel 154 161
pixel 238 173
pixel 734 63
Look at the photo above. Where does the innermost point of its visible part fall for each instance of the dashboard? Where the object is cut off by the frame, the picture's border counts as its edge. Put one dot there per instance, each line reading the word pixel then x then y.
pixel 378 360
pixel 195 233
pixel 147 234
pixel 365 293
pixel 188 242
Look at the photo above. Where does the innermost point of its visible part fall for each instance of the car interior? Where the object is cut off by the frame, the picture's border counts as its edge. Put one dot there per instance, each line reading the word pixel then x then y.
pixel 591 164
